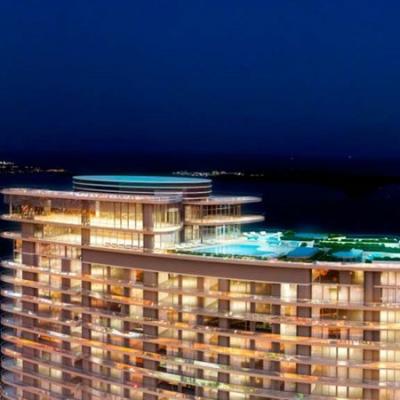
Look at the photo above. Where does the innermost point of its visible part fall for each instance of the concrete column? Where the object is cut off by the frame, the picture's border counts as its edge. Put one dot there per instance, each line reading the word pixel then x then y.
pixel 345 277
pixel 85 216
pixel 29 258
pixel 86 332
pixel 66 329
pixel 85 236
pixel 372 294
pixel 127 276
pixel 148 226
pixel 28 230
pixel 223 306
pixel 276 328
pixel 199 391
pixel 182 218
pixel 304 292
pixel 150 279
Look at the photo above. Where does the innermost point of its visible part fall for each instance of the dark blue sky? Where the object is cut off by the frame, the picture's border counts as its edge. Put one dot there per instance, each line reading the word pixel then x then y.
pixel 270 77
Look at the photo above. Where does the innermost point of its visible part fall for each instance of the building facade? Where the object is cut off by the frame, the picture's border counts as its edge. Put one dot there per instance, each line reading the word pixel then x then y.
pixel 111 293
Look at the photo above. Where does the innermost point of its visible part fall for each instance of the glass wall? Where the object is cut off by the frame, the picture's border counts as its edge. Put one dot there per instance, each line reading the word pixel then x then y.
pixel 42 209
pixel 166 216
pixel 204 234
pixel 204 213
pixel 117 215
pixel 112 238
pixel 58 233
pixel 166 240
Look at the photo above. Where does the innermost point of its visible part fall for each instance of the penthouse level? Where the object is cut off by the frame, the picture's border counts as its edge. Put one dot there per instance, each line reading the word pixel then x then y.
pixel 132 220
pixel 119 295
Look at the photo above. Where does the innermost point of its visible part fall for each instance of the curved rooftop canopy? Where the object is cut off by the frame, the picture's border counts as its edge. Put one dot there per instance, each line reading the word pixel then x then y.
pixel 188 188
pixel 141 179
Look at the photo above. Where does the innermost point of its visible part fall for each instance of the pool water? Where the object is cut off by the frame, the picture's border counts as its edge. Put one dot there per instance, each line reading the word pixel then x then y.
pixel 245 249
pixel 379 254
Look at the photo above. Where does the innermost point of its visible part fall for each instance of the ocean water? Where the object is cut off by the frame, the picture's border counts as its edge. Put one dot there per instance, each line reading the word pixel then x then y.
pixel 323 208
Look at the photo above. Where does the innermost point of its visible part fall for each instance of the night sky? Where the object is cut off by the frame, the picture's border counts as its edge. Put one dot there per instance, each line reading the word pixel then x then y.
pixel 283 78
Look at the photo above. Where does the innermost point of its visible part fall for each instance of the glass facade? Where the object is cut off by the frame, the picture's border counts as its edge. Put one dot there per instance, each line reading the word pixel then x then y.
pixel 97 306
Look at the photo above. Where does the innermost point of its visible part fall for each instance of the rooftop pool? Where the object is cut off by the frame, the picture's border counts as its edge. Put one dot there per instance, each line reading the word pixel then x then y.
pixel 246 249
pixel 289 246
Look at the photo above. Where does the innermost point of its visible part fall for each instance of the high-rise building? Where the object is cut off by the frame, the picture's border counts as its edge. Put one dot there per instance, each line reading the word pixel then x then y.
pixel 134 287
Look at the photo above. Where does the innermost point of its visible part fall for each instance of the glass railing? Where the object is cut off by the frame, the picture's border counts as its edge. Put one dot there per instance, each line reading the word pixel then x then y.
pixel 93 222
pixel 225 219
pixel 188 345
pixel 327 303
pixel 10 379
pixel 247 316
pixel 170 377
pixel 45 316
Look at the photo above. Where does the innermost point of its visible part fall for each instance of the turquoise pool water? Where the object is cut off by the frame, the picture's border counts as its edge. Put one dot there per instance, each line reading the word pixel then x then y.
pixel 244 249
pixel 377 254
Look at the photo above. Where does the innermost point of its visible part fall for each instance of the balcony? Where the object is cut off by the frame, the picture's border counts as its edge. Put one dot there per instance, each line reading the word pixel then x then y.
pixel 247 316
pixel 192 346
pixel 10 379
pixel 69 220
pixel 44 316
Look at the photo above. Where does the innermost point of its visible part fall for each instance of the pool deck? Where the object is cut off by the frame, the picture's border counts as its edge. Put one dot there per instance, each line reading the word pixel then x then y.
pixel 289 246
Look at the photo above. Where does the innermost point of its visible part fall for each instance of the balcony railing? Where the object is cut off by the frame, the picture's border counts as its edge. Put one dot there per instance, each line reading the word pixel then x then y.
pixel 95 223
pixel 246 316
pixel 172 343
pixel 170 377
pixel 225 220
pixel 259 336
pixel 111 197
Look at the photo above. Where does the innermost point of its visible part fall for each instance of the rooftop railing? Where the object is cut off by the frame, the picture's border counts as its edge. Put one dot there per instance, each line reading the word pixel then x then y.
pixel 113 197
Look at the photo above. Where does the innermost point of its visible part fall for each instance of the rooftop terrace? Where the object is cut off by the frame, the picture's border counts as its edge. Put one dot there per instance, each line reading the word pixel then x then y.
pixel 304 247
